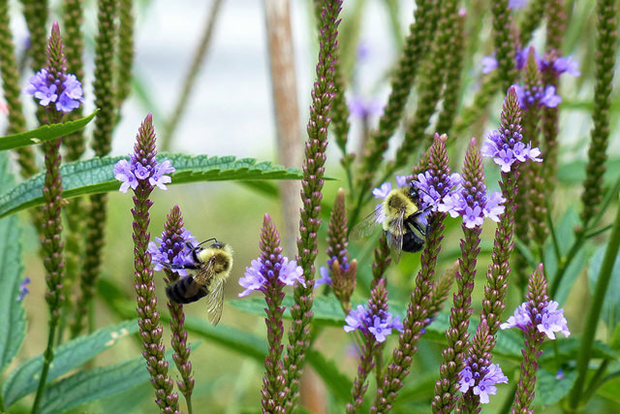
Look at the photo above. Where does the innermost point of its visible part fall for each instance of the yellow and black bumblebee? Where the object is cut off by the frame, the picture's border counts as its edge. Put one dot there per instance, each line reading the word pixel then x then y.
pixel 213 265
pixel 402 218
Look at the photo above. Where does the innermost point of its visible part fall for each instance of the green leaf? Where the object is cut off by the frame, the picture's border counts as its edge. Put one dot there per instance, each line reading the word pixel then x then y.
pixel 96 383
pixel 574 172
pixel 93 384
pixel 96 176
pixel 550 389
pixel 610 390
pixel 565 349
pixel 610 313
pixel 25 378
pixel 338 383
pixel 44 133
pixel 327 309
pixel 13 320
pixel 231 338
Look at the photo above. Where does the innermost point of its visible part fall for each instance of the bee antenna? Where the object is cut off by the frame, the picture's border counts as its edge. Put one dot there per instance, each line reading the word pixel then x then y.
pixel 207 241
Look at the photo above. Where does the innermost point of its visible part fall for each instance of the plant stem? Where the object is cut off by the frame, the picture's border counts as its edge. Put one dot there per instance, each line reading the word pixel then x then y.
pixel 598 298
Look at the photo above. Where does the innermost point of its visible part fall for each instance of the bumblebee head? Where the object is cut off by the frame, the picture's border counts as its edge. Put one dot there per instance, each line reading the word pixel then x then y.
pixel 413 194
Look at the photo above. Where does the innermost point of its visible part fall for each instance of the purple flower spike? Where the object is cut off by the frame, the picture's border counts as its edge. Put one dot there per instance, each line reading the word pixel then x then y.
pixel 507 148
pixel 490 376
pixel 63 89
pixel 255 278
pixel 130 173
pixel 163 246
pixel 378 326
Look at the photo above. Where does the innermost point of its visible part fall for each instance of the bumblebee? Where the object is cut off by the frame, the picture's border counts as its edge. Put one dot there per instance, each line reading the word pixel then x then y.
pixel 402 219
pixel 213 265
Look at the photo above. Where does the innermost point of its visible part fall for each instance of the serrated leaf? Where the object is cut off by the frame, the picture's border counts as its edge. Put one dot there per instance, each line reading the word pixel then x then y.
pixel 550 389
pixel 96 176
pixel 44 133
pixel 610 313
pixel 327 309
pixel 338 383
pixel 25 378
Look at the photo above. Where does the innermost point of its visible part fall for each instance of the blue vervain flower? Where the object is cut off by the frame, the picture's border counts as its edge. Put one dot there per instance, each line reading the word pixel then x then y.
pixel 490 376
pixel 254 280
pixel 506 149
pixel 380 326
pixel 129 173
pixel 65 91
pixel 160 251
pixel 549 321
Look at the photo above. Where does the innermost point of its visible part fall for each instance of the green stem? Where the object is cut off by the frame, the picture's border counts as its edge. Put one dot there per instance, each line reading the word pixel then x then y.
pixel 48 357
pixel 597 380
pixel 596 304
pixel 566 260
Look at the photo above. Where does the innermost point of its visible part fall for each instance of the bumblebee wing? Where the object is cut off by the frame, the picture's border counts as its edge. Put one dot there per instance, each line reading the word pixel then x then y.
pixel 395 235
pixel 215 303
pixel 365 227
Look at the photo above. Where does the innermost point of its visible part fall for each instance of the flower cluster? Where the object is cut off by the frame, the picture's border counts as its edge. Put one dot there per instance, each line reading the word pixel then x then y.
pixel 481 381
pixel 506 149
pixel 23 289
pixel 434 191
pixel 254 280
pixel 162 249
pixel 65 91
pixel 324 271
pixel 379 325
pixel 130 173
pixel 474 208
pixel 549 321
pixel 558 65
pixel 537 95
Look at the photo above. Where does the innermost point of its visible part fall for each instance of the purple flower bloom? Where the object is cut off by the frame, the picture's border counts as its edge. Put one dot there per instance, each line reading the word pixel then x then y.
pixel 23 289
pixel 325 278
pixel 466 379
pixel 434 191
pixel 123 172
pixel 520 319
pixel 403 180
pixel 130 173
pixel 161 249
pixel 362 53
pixel 383 191
pixel 254 279
pixel 364 108
pixel 506 150
pixel 517 4
pixel 537 96
pixel 486 385
pixel 377 325
pixel 290 273
pixel 65 91
pixel 492 208
pixel 355 319
pixel 489 64
pixel 551 320
pixel 566 65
